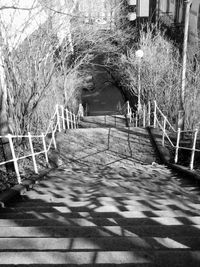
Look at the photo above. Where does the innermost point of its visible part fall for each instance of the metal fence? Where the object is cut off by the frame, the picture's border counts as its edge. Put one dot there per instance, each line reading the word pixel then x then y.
pixel 62 119
pixel 151 115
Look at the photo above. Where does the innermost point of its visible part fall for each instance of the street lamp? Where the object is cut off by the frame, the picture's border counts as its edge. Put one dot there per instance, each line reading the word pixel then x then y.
pixel 139 55
pixel 182 93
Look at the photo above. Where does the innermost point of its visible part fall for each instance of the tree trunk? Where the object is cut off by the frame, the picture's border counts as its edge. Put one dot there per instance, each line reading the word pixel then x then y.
pixel 4 125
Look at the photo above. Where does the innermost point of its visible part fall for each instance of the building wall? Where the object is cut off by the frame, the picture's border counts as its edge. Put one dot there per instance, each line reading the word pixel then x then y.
pixel 171 12
pixel 194 26
pixel 102 10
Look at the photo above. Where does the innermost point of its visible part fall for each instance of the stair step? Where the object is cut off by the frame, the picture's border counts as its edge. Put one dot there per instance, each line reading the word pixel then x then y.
pixel 87 207
pixel 98 231
pixel 76 258
pixel 100 221
pixel 91 214
pixel 163 258
pixel 104 203
pixel 98 244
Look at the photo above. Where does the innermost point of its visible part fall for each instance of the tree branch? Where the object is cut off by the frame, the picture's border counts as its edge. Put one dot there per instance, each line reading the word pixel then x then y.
pixel 17 8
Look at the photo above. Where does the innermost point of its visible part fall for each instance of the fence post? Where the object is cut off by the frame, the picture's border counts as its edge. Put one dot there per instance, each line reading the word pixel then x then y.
pixel 193 150
pixel 77 122
pixel 136 119
pixel 80 111
pixel 54 140
pixel 74 120
pixel 45 148
pixel 14 158
pixel 71 120
pixel 128 111
pixel 32 152
pixel 58 118
pixel 154 119
pixel 144 115
pixel 149 113
pixel 177 145
pixel 67 117
pixel 63 117
pixel 164 131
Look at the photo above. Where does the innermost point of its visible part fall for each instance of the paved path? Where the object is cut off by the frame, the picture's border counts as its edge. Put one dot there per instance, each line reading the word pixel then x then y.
pixel 105 98
pixel 103 215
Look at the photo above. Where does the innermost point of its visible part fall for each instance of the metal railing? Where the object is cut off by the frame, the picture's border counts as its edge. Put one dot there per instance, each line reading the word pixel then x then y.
pixel 62 119
pixel 168 131
pixel 151 115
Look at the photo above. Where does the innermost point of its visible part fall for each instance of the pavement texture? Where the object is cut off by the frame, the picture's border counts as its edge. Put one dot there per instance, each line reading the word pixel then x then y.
pixel 109 203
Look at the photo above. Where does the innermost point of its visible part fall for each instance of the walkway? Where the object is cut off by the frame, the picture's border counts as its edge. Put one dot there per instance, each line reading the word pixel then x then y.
pixel 90 212
pixel 105 98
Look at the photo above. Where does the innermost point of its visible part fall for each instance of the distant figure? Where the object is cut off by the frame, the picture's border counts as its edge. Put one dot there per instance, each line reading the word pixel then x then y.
pixel 80 111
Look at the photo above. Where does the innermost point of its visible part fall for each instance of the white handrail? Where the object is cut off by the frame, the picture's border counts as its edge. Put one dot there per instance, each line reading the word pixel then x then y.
pixel 53 126
pixel 177 147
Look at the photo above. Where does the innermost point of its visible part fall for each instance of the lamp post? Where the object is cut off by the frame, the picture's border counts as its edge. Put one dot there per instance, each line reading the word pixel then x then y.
pixel 183 76
pixel 139 55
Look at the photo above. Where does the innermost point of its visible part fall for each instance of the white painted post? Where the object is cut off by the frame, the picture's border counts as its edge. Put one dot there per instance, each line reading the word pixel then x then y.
pixel 54 139
pixel 63 117
pixel 128 111
pixel 154 121
pixel 77 121
pixel 149 113
pixel 71 120
pixel 177 145
pixel 58 118
pixel 136 119
pixel 74 121
pixel 32 152
pixel 80 111
pixel 14 158
pixel 164 131
pixel 144 116
pixel 45 148
pixel 193 150
pixel 67 117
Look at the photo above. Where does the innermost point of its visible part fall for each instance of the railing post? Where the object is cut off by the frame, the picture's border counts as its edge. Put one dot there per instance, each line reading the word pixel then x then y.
pixel 54 139
pixel 193 150
pixel 164 131
pixel 144 115
pixel 149 113
pixel 77 122
pixel 71 120
pixel 67 117
pixel 32 152
pixel 177 145
pixel 80 111
pixel 74 121
pixel 63 117
pixel 136 119
pixel 58 118
pixel 14 158
pixel 154 119
pixel 45 148
pixel 128 111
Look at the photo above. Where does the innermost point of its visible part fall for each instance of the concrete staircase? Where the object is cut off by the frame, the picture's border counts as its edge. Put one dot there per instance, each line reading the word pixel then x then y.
pixel 118 121
pixel 106 205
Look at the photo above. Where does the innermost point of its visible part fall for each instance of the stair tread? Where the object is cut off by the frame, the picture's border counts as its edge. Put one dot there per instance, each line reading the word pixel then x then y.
pixel 158 258
pixel 107 221
pixel 97 231
pixel 99 243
